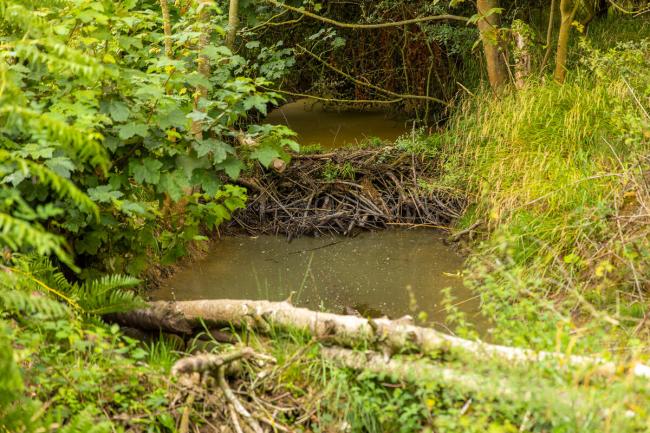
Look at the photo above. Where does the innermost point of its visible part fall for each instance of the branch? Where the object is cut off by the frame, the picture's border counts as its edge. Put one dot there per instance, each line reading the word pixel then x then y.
pixel 345 101
pixel 369 26
pixel 372 86
pixel 351 331
pixel 549 36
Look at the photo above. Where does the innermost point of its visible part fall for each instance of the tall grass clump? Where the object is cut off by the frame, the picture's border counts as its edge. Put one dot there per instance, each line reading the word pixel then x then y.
pixel 550 169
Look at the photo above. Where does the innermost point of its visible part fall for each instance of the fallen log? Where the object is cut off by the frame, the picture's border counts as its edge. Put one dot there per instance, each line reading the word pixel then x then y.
pixel 347 331
pixel 418 371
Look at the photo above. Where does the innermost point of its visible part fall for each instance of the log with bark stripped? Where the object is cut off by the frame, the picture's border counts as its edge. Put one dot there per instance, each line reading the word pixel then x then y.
pixel 347 331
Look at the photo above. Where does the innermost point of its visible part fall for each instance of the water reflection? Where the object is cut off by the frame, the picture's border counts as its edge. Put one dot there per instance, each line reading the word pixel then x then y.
pixel 332 129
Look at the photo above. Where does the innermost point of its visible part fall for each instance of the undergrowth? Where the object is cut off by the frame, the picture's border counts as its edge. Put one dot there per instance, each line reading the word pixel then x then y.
pixel 558 178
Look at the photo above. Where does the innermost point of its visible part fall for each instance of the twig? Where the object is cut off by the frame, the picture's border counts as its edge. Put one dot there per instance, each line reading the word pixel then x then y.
pixel 369 26
pixel 235 403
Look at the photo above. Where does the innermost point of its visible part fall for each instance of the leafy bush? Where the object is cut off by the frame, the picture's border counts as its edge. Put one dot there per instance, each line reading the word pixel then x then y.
pixel 109 148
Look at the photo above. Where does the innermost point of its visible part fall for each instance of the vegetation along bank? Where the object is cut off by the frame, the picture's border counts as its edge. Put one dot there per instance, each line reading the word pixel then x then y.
pixel 133 132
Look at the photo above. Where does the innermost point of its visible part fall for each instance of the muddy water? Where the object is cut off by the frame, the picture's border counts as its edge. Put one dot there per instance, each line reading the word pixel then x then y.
pixel 390 272
pixel 332 129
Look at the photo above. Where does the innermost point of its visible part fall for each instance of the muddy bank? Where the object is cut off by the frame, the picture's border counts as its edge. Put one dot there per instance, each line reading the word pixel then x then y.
pixel 345 191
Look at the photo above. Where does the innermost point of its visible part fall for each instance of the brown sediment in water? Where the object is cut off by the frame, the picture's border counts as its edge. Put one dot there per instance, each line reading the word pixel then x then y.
pixel 389 272
pixel 345 191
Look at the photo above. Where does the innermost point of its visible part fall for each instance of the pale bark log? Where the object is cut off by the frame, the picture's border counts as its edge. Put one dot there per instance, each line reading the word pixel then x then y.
pixel 417 371
pixel 349 331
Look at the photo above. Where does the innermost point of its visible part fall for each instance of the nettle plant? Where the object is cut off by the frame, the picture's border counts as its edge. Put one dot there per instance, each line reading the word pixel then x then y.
pixel 112 150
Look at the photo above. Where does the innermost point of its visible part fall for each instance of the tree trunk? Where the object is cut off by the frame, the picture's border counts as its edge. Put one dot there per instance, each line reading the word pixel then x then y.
pixel 568 9
pixel 489 29
pixel 522 55
pixel 349 331
pixel 233 24
pixel 167 27
pixel 203 65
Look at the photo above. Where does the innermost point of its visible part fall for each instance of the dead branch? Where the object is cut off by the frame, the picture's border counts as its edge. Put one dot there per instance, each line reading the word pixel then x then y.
pixel 350 331
pixel 306 200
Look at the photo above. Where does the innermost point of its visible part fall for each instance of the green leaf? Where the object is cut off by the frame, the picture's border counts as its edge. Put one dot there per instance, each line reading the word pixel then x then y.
pixel 218 148
pixel 265 155
pixel 174 184
pixel 232 166
pixel 208 180
pixel 171 117
pixel 256 101
pixel 104 194
pixel 132 129
pixel 61 165
pixel 147 170
pixel 119 111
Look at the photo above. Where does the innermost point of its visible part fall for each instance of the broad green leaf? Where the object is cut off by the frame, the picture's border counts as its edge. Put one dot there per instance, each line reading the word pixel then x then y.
pixel 132 129
pixel 147 170
pixel 104 194
pixel 174 183
pixel 119 111
pixel 232 166
pixel 256 101
pixel 265 155
pixel 217 148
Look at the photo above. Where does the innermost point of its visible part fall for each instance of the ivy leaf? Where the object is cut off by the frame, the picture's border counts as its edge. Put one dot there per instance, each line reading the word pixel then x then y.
pixel 265 155
pixel 119 111
pixel 132 129
pixel 148 170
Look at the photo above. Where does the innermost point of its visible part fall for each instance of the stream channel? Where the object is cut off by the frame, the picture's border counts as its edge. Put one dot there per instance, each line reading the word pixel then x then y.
pixel 391 272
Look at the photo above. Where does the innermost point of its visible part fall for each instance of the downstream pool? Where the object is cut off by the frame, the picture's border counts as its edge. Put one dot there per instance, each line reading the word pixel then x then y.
pixel 331 129
pixel 392 272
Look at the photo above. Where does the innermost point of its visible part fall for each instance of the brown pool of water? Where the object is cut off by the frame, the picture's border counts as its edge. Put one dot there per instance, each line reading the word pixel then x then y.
pixel 392 272
pixel 331 128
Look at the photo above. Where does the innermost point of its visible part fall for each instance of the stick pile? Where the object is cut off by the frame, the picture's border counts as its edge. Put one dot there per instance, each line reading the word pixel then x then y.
pixel 347 190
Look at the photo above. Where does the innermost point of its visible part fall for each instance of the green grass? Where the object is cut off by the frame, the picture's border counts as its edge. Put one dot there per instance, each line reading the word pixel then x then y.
pixel 547 169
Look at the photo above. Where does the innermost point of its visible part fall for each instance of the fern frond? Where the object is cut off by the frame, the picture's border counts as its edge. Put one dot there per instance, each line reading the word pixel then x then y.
pixel 20 235
pixel 107 295
pixel 86 144
pixel 60 185
pixel 59 58
pixel 18 301
pixel 19 15
pixel 85 422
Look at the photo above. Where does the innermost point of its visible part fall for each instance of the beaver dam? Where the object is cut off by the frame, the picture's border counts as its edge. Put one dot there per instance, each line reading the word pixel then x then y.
pixel 348 230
